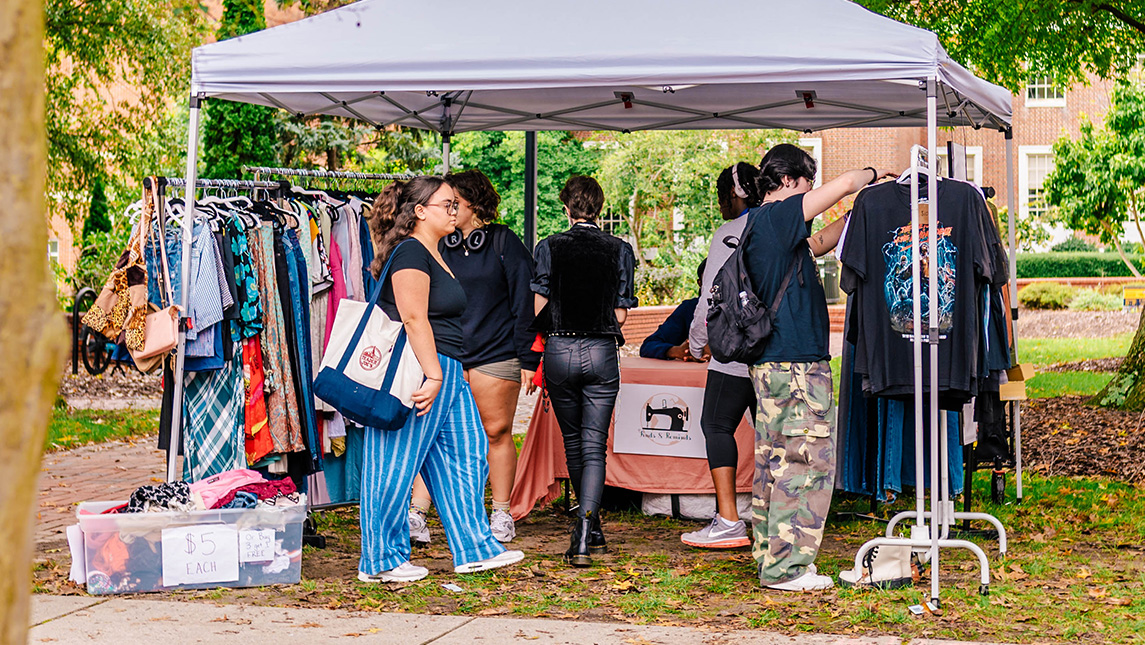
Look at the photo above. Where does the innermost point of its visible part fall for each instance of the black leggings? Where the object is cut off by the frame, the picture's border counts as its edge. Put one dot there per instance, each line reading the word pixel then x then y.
pixel 582 375
pixel 725 400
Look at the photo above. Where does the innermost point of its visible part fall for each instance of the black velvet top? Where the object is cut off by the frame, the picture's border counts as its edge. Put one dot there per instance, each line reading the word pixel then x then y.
pixel 586 274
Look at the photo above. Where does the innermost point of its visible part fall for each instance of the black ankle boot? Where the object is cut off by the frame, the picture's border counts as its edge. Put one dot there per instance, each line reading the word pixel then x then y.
pixel 596 543
pixel 578 554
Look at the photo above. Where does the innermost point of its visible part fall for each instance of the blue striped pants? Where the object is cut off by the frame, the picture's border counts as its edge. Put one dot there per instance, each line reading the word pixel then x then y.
pixel 448 447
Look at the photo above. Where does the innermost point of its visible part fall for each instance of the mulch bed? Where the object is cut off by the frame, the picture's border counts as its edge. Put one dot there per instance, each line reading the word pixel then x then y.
pixel 1090 365
pixel 1032 323
pixel 124 382
pixel 1064 436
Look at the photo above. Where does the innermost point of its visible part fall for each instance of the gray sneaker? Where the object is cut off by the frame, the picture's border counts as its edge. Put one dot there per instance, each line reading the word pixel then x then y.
pixel 418 529
pixel 720 534
pixel 501 523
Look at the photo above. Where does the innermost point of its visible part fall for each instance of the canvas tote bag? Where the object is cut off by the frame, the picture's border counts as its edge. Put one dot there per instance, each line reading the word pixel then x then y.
pixel 369 372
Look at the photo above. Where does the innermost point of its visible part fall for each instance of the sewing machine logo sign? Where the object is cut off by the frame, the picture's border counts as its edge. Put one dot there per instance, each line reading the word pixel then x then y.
pixel 666 418
pixel 371 358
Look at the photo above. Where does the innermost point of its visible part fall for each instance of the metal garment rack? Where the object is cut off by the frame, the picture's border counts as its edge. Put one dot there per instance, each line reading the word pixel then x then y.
pixel 185 271
pixel 935 535
pixel 322 173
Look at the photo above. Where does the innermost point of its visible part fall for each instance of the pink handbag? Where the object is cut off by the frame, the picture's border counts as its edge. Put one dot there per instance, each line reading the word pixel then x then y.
pixel 161 329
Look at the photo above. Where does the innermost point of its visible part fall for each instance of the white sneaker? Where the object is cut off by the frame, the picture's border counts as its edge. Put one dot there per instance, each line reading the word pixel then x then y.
pixel 809 581
pixel 501 524
pixel 404 572
pixel 720 534
pixel 418 529
pixel 503 559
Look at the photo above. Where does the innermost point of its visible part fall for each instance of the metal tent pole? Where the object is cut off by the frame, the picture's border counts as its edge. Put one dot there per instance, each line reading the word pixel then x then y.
pixel 1015 406
pixel 185 272
pixel 445 137
pixel 531 189
pixel 936 501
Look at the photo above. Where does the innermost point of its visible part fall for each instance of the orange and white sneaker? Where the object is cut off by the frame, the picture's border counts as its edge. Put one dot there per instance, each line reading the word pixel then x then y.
pixel 720 534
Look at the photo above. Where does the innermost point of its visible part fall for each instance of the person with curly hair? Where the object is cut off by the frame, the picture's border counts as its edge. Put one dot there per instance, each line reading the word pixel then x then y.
pixel 494 269
pixel 443 440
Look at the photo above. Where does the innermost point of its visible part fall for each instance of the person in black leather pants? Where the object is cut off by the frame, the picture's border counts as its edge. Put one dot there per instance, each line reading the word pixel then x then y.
pixel 584 288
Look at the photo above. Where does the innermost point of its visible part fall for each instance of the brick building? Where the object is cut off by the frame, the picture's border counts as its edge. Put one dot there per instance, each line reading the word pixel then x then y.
pixel 1042 114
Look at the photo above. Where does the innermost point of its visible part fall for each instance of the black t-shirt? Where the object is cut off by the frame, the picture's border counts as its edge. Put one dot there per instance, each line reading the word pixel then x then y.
pixel 801 329
pixel 877 272
pixel 500 305
pixel 446 297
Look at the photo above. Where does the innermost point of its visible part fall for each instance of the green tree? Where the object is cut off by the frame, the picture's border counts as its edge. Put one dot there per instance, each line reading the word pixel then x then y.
pixel 501 156
pixel 238 134
pixel 113 70
pixel 1098 181
pixel 97 219
pixel 1006 41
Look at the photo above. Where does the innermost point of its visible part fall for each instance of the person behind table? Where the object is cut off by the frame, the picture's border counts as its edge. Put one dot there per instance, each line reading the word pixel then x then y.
pixel 728 393
pixel 494 268
pixel 584 288
pixel 795 425
pixel 443 438
pixel 670 340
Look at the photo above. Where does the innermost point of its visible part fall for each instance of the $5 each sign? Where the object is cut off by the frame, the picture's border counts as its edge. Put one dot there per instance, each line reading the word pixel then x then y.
pixel 200 554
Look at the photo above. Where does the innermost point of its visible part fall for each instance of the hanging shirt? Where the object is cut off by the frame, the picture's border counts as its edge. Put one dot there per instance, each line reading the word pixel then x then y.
pixel 877 264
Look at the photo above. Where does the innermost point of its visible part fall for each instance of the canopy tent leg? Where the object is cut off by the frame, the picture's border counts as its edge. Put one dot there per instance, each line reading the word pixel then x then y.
pixel 936 501
pixel 1016 409
pixel 445 137
pixel 185 271
pixel 531 189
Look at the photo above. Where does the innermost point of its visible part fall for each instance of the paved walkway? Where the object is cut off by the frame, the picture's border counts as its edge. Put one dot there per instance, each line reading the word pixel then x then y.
pixel 65 620
pixel 108 471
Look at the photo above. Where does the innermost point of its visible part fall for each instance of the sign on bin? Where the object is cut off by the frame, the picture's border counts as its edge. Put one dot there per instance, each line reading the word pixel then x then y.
pixel 256 545
pixel 200 554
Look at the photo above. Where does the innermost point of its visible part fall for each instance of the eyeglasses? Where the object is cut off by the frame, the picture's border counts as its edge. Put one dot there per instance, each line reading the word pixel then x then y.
pixel 450 207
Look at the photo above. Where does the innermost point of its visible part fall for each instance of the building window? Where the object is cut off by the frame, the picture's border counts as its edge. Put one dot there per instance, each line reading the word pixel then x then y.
pixel 1041 92
pixel 1035 163
pixel 814 147
pixel 973 164
pixel 53 252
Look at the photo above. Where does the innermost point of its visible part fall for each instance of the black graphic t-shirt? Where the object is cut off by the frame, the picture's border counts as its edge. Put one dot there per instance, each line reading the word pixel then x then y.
pixel 877 273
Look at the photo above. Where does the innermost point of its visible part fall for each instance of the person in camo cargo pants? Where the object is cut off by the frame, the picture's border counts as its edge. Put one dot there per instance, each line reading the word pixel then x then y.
pixel 795 416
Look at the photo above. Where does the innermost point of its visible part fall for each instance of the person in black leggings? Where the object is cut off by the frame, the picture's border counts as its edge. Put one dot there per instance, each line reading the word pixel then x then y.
pixel 583 289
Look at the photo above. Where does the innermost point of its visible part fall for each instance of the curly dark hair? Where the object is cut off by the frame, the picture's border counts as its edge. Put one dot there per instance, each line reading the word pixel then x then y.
pixel 784 160
pixel 474 187
pixel 391 219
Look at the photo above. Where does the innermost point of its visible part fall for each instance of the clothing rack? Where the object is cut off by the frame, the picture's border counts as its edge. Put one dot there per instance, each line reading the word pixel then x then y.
pixel 322 173
pixel 185 271
pixel 936 535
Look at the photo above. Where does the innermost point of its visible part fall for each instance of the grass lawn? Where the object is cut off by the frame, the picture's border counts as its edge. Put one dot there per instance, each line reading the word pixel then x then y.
pixel 1074 573
pixel 1051 384
pixel 1049 351
pixel 72 428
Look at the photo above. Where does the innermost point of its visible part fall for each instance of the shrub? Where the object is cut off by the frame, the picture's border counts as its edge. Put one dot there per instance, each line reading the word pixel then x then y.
pixel 1094 300
pixel 1074 265
pixel 1045 295
pixel 1073 245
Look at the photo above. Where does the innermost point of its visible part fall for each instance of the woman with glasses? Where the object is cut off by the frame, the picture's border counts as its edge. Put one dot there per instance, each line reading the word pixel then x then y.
pixel 494 268
pixel 443 439
pixel 584 289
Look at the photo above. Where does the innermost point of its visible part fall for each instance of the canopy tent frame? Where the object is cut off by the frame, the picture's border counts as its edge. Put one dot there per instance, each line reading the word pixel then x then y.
pixel 385 92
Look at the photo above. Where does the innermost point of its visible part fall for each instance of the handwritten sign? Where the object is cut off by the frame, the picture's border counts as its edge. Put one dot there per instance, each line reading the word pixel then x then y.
pixel 256 545
pixel 200 554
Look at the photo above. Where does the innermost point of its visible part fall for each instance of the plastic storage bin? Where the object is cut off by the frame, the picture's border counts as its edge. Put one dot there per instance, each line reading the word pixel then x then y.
pixel 138 552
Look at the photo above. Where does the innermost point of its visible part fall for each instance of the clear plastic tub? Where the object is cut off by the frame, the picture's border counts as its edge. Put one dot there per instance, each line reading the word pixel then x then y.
pixel 139 552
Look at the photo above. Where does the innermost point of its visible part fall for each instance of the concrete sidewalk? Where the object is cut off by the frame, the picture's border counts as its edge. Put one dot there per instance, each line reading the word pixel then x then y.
pixel 86 619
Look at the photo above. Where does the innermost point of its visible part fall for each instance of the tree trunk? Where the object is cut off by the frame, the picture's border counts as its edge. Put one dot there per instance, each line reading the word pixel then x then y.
pixel 1126 390
pixel 32 339
pixel 1121 252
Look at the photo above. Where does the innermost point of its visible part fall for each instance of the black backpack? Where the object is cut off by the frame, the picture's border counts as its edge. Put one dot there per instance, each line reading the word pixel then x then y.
pixel 738 324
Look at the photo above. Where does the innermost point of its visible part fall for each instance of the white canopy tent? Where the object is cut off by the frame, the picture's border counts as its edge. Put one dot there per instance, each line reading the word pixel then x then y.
pixel 620 65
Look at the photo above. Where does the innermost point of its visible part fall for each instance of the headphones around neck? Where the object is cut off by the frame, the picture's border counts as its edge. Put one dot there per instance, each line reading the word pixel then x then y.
pixel 473 242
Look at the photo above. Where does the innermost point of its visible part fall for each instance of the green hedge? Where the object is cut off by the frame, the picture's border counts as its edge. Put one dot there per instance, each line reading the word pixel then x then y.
pixel 1075 265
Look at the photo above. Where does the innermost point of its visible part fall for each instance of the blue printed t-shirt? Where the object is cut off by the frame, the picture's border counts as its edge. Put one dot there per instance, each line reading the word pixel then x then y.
pixel 801 328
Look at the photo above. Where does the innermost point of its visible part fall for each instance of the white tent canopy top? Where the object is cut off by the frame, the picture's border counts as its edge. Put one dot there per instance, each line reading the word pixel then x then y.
pixel 600 65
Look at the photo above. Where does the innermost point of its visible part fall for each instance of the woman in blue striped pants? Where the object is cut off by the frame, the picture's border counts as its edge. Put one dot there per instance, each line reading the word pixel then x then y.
pixel 444 440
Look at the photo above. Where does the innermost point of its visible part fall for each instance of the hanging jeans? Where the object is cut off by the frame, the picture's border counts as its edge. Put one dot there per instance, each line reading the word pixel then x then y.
pixel 582 376
pixel 448 447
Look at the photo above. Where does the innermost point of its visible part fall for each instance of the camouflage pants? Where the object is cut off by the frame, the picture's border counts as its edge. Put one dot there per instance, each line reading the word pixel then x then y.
pixel 794 466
